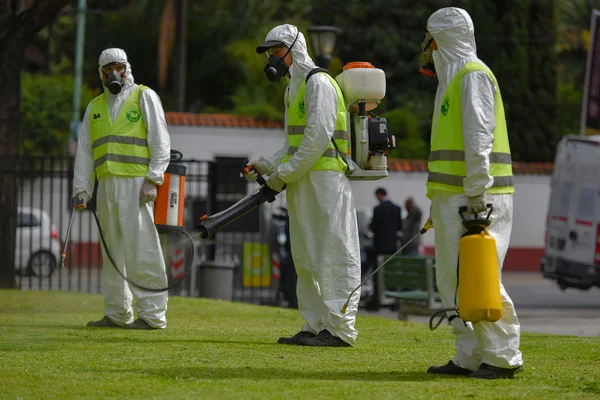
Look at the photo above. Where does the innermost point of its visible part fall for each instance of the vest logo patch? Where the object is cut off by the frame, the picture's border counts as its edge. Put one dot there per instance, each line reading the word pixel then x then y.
pixel 133 115
pixel 96 116
pixel 445 106
pixel 302 106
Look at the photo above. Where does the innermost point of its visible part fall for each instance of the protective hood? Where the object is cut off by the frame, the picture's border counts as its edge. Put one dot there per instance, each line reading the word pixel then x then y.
pixel 115 55
pixel 302 63
pixel 454 34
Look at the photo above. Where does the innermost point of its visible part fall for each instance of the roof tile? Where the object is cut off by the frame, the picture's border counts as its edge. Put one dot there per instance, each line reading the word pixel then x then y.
pixel 221 120
pixel 395 165
pixel 519 168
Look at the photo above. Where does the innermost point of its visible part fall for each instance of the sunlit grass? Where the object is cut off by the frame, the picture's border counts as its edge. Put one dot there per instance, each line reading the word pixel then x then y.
pixel 222 350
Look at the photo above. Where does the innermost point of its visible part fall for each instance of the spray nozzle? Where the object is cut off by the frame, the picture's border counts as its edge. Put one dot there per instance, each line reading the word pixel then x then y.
pixel 428 225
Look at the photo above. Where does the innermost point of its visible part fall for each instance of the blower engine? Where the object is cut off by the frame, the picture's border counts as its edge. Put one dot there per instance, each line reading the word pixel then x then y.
pixel 363 86
pixel 478 280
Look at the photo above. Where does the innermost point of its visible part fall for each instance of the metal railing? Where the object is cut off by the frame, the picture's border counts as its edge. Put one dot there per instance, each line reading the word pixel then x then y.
pixel 246 246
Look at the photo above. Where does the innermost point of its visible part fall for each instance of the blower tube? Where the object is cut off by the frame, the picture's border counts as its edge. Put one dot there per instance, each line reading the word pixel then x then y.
pixel 214 223
pixel 209 225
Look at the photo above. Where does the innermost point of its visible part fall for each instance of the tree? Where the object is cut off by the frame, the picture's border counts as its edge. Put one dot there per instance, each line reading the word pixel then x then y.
pixel 19 22
pixel 46 103
pixel 518 44
pixel 515 38
pixel 388 33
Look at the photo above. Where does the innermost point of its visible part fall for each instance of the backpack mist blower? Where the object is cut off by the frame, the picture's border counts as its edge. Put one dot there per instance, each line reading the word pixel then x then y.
pixel 168 217
pixel 363 87
pixel 478 279
pixel 368 140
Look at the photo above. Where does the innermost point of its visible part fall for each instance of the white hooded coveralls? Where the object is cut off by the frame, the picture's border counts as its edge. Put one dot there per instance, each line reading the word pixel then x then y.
pixel 323 227
pixel 128 228
pixel 493 343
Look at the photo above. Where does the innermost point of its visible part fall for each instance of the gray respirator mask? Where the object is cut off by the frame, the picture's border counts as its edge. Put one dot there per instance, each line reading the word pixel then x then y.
pixel 113 82
pixel 426 57
pixel 276 68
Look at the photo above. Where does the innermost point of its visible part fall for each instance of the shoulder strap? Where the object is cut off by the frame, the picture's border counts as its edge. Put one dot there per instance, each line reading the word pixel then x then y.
pixel 316 71
pixel 349 170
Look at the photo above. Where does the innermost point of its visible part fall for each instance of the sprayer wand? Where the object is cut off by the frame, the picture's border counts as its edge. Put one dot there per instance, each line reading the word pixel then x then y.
pixel 77 204
pixel 428 225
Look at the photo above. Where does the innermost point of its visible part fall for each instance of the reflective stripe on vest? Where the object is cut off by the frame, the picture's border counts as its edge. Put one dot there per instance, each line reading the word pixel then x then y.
pixel 119 147
pixel 447 168
pixel 329 160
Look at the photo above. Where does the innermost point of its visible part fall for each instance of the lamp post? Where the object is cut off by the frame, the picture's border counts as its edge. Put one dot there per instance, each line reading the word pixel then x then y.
pixel 80 39
pixel 322 40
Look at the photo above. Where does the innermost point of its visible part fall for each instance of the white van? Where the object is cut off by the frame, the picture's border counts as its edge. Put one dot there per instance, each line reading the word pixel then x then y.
pixel 572 253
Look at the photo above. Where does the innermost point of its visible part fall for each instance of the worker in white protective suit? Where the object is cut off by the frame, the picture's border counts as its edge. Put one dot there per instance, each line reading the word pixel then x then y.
pixel 124 145
pixel 469 165
pixel 323 227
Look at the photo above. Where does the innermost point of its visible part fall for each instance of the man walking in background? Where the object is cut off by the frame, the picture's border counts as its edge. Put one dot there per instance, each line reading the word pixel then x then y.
pixel 411 227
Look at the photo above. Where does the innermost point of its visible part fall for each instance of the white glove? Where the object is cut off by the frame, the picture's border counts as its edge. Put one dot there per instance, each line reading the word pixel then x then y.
pixel 260 167
pixel 275 182
pixel 147 192
pixel 476 204
pixel 82 199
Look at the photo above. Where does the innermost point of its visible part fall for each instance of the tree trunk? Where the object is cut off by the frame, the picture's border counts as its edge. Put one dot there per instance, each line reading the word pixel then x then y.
pixel 19 22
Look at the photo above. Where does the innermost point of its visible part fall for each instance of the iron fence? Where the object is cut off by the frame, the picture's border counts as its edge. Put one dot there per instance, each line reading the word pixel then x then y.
pixel 247 247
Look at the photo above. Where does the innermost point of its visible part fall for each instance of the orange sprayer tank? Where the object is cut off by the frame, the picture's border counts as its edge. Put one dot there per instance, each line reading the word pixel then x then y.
pixel 168 207
pixel 478 280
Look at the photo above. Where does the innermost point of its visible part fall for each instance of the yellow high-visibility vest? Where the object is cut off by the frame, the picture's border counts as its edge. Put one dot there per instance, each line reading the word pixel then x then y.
pixel 447 168
pixel 119 147
pixel 330 159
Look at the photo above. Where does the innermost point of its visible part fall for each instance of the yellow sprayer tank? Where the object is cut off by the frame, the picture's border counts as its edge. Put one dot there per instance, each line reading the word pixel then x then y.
pixel 478 280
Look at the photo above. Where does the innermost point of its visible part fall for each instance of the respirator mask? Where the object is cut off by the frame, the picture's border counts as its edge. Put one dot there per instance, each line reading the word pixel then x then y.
pixel 114 75
pixel 276 68
pixel 426 56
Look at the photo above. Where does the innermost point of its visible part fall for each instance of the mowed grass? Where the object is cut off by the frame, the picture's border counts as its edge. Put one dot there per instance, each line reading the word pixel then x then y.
pixel 220 350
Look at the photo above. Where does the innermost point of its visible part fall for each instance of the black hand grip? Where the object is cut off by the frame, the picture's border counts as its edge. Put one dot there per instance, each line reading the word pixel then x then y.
pixel 259 178
pixel 176 156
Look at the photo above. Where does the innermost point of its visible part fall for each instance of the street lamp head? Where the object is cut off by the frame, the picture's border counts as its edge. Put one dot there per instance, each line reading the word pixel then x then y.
pixel 322 40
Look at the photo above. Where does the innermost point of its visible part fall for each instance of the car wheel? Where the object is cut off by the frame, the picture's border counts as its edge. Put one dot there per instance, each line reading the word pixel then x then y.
pixel 42 264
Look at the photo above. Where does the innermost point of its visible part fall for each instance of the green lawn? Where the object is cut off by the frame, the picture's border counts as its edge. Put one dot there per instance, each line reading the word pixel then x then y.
pixel 222 350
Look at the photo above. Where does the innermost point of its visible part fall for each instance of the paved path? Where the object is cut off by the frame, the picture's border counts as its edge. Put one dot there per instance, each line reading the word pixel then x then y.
pixel 542 307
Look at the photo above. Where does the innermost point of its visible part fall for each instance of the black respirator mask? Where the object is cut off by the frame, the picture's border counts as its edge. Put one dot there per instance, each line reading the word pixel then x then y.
pixel 426 57
pixel 276 68
pixel 113 82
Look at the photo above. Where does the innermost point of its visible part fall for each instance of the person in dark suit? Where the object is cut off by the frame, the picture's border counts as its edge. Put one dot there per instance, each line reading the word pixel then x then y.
pixel 385 225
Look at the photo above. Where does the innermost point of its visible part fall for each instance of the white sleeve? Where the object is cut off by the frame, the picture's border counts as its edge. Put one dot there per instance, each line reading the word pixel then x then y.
pixel 159 141
pixel 84 173
pixel 320 102
pixel 479 122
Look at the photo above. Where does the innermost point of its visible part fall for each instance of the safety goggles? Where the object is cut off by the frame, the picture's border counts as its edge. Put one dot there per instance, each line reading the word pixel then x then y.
pixel 108 68
pixel 426 42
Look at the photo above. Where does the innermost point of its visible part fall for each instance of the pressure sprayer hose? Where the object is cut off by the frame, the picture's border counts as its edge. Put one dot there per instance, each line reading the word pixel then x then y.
pixel 442 311
pixel 428 225
pixel 132 283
